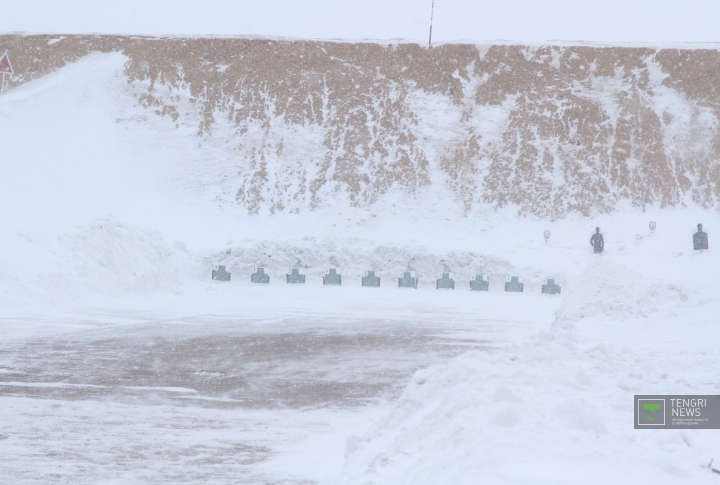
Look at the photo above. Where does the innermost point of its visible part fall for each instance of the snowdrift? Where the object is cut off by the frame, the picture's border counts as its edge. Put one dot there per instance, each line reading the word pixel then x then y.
pixel 95 264
pixel 551 411
pixel 612 290
pixel 554 409
pixel 355 256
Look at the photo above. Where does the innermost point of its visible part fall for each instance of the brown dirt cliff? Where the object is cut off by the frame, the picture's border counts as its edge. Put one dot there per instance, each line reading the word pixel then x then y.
pixel 549 129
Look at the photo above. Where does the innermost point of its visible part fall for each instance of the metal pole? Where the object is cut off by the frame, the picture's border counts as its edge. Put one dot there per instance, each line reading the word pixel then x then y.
pixel 432 8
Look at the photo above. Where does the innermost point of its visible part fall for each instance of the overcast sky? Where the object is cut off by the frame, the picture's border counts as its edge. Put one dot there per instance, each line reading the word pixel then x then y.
pixel 607 21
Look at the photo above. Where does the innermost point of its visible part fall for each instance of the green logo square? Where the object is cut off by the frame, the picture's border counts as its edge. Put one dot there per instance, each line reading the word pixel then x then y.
pixel 651 412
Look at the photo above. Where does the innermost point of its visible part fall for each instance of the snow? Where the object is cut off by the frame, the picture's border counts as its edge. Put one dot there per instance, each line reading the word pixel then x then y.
pixel 551 411
pixel 120 360
pixel 556 408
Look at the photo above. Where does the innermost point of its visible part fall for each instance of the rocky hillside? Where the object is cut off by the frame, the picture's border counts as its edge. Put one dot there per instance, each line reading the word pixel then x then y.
pixel 548 130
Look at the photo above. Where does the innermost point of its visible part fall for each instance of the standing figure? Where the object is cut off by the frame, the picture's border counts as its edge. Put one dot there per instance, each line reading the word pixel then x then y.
pixel 700 239
pixel 597 241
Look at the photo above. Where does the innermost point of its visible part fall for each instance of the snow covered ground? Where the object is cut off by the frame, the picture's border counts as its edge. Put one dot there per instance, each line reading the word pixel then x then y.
pixel 122 362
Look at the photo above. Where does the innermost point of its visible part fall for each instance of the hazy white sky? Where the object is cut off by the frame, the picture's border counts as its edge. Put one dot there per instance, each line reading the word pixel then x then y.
pixel 611 21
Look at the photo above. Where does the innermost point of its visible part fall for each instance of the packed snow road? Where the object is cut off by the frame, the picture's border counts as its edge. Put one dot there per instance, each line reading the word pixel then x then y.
pixel 227 365
pixel 217 399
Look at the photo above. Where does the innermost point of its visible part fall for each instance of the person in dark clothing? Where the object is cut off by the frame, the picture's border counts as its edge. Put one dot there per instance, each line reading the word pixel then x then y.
pixel 597 241
pixel 700 239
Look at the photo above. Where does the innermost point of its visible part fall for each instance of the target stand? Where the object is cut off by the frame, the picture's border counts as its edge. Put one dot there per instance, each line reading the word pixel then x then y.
pixel 514 284
pixel 371 279
pixel 479 282
pixel 407 279
pixel 259 276
pixel 549 287
pixel 332 277
pixel 219 273
pixel 295 276
pixel 445 281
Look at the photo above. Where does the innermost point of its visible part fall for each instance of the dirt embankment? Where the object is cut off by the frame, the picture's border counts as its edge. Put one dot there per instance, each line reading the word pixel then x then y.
pixel 548 129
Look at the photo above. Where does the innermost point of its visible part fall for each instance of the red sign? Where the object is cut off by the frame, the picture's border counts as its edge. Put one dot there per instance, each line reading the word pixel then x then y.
pixel 5 66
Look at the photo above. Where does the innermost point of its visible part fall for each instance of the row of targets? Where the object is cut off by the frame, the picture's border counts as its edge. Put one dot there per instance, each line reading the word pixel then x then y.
pixel 371 278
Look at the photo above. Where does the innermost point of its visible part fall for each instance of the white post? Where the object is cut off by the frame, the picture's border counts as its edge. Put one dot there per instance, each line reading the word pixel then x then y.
pixel 432 8
pixel 2 89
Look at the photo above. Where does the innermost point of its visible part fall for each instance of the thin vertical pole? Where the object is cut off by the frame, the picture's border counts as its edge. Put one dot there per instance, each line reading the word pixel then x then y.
pixel 432 8
pixel 2 90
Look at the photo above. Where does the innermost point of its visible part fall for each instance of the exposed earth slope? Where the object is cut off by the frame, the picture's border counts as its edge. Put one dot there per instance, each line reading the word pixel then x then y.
pixel 547 129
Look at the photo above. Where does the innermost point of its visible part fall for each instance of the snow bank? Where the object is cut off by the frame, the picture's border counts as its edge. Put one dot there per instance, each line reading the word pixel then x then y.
pixel 611 289
pixel 355 255
pixel 557 409
pixel 552 411
pixel 109 257
pixel 102 260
